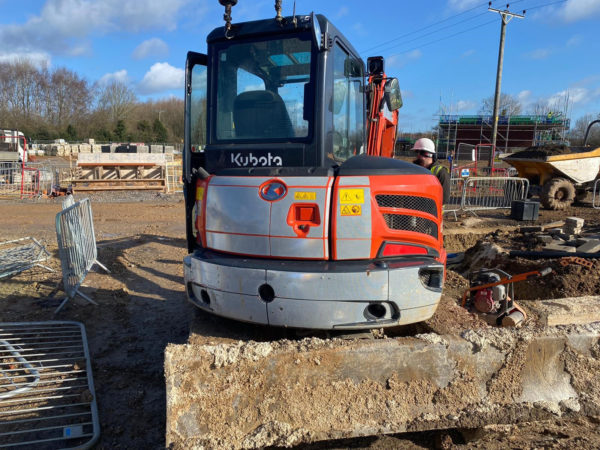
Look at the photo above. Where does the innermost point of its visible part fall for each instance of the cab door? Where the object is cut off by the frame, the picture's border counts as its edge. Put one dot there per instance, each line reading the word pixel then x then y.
pixel 196 83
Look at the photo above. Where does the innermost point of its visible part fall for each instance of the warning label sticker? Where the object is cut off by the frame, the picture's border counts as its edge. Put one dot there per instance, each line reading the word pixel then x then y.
pixel 351 210
pixel 352 196
pixel 305 195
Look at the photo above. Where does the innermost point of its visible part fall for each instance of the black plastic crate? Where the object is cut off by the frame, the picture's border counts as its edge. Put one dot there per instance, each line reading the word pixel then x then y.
pixel 524 210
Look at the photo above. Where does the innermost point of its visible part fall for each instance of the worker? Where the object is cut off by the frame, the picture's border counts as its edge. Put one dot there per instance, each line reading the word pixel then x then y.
pixel 427 157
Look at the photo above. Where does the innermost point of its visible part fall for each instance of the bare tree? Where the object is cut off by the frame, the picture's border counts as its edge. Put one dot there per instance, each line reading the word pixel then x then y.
pixel 577 133
pixel 69 98
pixel 509 106
pixel 117 99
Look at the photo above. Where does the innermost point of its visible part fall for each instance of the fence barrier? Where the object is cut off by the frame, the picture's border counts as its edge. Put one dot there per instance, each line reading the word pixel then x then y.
pixel 19 255
pixel 174 178
pixel 596 198
pixel 485 193
pixel 76 246
pixel 47 397
pixel 18 180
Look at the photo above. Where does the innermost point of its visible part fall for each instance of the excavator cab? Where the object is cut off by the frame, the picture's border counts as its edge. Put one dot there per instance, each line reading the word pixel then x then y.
pixel 292 215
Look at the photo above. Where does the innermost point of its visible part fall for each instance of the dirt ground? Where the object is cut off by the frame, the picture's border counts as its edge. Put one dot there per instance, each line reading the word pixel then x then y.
pixel 142 308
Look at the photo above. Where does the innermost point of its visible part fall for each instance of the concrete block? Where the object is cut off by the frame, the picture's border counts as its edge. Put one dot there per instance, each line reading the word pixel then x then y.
pixel 91 141
pixel 591 246
pixel 169 149
pixel 143 149
pixel 559 247
pixel 259 394
pixel 85 148
pixel 568 311
pixel 574 221
pixel 545 238
pixel 156 149
pixel 566 236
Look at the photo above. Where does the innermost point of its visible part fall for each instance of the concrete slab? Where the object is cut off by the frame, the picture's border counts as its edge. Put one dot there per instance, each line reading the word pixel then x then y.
pixel 568 311
pixel 284 393
pixel 592 246
pixel 559 247
pixel 122 158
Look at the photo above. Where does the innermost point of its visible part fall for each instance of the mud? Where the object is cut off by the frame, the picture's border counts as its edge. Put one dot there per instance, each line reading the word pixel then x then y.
pixel 142 309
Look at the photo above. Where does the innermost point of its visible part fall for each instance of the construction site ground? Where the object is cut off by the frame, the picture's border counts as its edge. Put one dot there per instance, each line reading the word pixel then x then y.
pixel 142 309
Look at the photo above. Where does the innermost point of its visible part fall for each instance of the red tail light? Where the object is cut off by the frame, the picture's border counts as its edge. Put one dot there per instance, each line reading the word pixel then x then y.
pixel 403 249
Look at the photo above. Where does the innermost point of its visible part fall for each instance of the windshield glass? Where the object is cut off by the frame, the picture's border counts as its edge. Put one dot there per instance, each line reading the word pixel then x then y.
pixel 261 90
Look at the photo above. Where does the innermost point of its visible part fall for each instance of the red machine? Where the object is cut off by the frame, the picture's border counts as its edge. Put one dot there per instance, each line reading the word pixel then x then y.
pixel 294 215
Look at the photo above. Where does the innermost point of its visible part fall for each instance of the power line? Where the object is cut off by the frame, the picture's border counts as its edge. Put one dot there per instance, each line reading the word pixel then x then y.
pixel 421 29
pixel 412 33
pixel 443 38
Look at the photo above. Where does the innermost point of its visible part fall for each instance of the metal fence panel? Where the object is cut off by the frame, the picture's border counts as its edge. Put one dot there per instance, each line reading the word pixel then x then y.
pixel 174 177
pixel 456 195
pixel 17 180
pixel 482 193
pixel 47 397
pixel 19 255
pixel 76 246
pixel 596 198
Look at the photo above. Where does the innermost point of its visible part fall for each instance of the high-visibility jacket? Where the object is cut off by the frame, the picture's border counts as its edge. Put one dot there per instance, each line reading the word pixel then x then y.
pixel 443 176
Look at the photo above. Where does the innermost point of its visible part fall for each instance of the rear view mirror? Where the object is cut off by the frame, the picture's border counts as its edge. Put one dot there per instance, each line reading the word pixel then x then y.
pixel 393 96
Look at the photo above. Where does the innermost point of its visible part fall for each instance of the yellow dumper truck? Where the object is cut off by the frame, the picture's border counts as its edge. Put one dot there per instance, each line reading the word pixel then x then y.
pixel 559 174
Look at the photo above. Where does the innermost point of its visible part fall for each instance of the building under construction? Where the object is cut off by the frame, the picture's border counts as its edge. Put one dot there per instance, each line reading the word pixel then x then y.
pixel 513 131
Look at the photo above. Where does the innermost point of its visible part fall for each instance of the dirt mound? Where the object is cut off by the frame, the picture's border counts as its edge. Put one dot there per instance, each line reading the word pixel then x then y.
pixel 543 151
pixel 572 280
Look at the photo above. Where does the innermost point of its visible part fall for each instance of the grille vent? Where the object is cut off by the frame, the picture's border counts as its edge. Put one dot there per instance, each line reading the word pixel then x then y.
pixel 423 204
pixel 410 223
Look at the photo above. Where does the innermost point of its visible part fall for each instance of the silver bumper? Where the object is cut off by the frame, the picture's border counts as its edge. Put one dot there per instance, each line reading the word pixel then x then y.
pixel 314 294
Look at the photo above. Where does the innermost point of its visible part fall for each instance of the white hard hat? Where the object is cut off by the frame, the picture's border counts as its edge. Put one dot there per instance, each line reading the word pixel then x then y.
pixel 424 144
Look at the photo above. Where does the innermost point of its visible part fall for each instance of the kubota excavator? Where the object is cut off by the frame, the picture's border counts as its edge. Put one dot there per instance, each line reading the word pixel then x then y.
pixel 296 214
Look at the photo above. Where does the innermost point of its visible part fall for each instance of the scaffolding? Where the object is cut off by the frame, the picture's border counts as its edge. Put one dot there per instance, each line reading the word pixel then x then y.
pixel 513 131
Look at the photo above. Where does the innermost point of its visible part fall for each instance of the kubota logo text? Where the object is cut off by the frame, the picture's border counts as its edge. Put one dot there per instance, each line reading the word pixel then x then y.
pixel 242 160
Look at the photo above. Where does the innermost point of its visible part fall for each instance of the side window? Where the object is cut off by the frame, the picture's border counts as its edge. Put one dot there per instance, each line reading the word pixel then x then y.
pixel 348 106
pixel 198 109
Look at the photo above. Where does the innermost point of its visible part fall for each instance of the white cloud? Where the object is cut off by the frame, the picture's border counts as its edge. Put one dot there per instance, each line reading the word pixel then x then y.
pixel 400 60
pixel 575 10
pixel 120 76
pixel 161 77
pixel 407 93
pixel 359 29
pixel 343 11
pixel 575 40
pixel 575 95
pixel 39 59
pixel 524 96
pixel 154 47
pixel 465 105
pixel 468 53
pixel 461 5
pixel 63 25
pixel 540 53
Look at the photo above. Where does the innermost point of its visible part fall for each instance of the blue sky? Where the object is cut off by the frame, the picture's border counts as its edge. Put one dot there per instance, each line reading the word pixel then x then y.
pixel 444 52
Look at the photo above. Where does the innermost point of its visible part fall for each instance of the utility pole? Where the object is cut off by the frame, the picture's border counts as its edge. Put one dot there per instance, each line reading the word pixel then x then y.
pixel 506 16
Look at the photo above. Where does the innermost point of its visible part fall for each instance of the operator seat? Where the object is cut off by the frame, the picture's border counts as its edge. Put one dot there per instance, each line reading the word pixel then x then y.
pixel 261 114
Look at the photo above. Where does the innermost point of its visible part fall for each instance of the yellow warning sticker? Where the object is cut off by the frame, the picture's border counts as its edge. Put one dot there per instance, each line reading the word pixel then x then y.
pixel 351 210
pixel 352 196
pixel 305 195
pixel 199 194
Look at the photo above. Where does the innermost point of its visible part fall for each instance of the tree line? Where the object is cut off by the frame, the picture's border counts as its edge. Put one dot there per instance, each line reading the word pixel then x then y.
pixel 47 104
